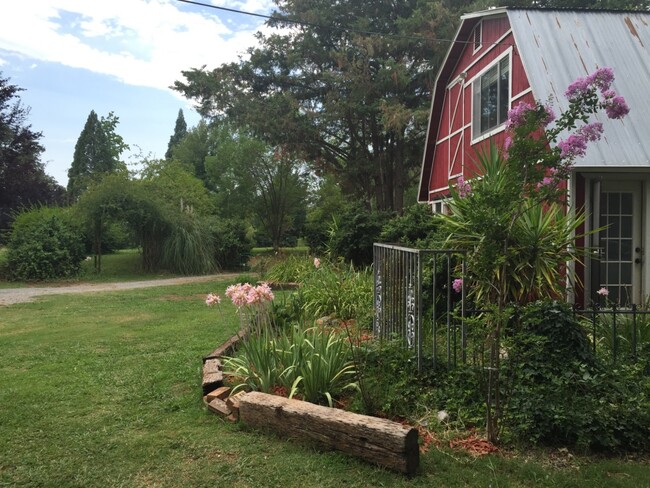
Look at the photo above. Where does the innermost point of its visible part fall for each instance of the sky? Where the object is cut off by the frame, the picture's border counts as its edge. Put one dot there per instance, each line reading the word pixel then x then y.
pixel 74 56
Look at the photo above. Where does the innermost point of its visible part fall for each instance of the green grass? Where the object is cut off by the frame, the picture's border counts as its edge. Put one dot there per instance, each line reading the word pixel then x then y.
pixel 104 390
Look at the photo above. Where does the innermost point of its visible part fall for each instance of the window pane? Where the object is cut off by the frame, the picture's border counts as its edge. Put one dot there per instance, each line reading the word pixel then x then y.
pixel 626 203
pixel 489 99
pixel 613 229
pixel 626 227
pixel 612 251
pixel 614 207
pixel 504 90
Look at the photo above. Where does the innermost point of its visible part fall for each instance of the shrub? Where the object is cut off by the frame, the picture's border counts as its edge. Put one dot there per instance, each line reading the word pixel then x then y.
pixel 44 244
pixel 340 292
pixel 232 244
pixel 560 393
pixel 188 249
pixel 416 227
pixel 353 233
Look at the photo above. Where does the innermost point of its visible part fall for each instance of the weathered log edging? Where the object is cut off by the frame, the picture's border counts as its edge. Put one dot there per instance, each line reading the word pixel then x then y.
pixel 373 439
pixel 379 441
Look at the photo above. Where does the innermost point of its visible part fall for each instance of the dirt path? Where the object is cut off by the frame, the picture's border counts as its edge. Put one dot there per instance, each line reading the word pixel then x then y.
pixel 9 296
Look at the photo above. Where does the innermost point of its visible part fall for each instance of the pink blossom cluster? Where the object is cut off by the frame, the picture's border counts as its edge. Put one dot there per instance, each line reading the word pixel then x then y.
pixel 517 115
pixel 602 79
pixel 603 292
pixel 212 299
pixel 457 285
pixel 464 188
pixel 576 144
pixel 247 294
pixel 615 106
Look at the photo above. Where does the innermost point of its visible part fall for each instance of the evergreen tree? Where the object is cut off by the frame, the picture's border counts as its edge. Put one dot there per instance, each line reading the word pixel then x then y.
pixel 23 181
pixel 96 153
pixel 180 131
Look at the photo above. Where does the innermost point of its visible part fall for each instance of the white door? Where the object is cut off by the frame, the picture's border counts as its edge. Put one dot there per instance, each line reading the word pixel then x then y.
pixel 619 243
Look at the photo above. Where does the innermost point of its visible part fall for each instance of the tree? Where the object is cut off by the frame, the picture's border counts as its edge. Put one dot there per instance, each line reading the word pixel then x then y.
pixel 352 104
pixel 96 153
pixel 198 143
pixel 180 131
pixel 23 181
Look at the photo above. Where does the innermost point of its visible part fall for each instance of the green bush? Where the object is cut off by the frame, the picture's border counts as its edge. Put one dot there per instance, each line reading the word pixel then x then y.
pixel 560 393
pixel 188 249
pixel 232 244
pixel 340 292
pixel 353 233
pixel 44 244
pixel 416 227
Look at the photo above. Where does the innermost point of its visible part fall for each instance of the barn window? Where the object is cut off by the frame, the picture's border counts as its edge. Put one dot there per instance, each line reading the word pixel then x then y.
pixel 491 98
pixel 477 37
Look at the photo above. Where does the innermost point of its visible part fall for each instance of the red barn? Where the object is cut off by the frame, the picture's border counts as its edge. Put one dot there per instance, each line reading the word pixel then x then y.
pixel 502 56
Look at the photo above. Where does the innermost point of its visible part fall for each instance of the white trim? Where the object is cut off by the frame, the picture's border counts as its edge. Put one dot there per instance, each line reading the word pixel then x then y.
pixel 487 51
pixel 520 94
pixel 470 83
pixel 479 27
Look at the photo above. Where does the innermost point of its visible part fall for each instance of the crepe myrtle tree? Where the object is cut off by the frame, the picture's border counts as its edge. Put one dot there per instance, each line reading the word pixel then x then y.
pixel 511 221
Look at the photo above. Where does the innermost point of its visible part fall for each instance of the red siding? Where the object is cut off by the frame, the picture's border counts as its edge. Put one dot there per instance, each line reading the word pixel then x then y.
pixel 454 151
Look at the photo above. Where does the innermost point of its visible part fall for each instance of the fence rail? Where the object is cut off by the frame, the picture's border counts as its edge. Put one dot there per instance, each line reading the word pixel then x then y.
pixel 414 301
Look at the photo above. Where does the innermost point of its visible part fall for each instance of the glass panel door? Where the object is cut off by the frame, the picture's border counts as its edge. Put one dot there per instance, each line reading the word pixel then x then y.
pixel 619 243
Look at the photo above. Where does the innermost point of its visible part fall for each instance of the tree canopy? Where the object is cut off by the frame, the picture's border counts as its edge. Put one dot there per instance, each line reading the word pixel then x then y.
pixel 180 131
pixel 96 153
pixel 351 104
pixel 23 181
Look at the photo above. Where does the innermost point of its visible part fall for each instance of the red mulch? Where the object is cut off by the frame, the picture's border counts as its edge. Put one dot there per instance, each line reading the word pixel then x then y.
pixel 473 444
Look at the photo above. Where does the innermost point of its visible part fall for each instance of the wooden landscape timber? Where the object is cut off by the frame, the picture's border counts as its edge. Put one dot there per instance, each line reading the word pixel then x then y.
pixel 212 375
pixel 373 439
pixel 227 347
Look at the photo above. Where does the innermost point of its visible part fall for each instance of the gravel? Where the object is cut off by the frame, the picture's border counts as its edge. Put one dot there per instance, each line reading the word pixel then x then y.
pixel 10 296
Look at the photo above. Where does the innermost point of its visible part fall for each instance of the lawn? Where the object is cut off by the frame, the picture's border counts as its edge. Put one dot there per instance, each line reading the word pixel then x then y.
pixel 104 390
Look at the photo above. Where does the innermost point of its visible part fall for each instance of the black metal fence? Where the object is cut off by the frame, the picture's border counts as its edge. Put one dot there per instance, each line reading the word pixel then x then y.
pixel 415 300
pixel 617 332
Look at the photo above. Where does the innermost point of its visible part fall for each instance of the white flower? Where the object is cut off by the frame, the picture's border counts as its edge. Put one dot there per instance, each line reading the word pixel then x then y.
pixel 443 416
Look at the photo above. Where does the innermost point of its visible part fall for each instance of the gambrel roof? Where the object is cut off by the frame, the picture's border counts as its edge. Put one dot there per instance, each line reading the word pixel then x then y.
pixel 558 46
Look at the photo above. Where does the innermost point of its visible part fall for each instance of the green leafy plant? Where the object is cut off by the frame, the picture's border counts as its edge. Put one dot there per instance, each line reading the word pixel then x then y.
pixel 325 370
pixel 312 363
pixel 44 244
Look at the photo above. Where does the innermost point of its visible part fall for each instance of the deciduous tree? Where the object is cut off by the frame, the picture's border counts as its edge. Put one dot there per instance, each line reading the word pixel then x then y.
pixel 351 103
pixel 23 181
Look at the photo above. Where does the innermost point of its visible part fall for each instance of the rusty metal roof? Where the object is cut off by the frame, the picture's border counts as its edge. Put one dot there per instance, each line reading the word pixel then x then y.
pixel 558 46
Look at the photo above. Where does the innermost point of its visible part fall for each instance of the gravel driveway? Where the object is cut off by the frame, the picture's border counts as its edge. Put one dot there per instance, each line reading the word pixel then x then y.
pixel 9 296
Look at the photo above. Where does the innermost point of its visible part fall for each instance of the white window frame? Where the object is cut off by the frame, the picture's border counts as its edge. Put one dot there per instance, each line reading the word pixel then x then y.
pixel 477 29
pixel 476 135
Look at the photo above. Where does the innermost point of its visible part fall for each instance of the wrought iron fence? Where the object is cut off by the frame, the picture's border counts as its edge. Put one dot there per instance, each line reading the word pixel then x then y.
pixel 415 302
pixel 619 332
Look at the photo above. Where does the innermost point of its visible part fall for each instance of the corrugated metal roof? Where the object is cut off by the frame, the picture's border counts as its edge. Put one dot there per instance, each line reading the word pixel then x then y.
pixel 558 46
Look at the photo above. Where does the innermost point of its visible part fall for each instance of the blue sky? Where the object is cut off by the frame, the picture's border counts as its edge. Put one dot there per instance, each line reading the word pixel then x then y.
pixel 74 56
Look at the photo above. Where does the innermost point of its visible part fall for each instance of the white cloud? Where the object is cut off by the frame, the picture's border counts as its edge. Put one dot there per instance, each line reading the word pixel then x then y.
pixel 139 42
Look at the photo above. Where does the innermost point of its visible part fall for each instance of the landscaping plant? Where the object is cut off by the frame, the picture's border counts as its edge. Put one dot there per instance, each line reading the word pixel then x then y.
pixel 515 251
